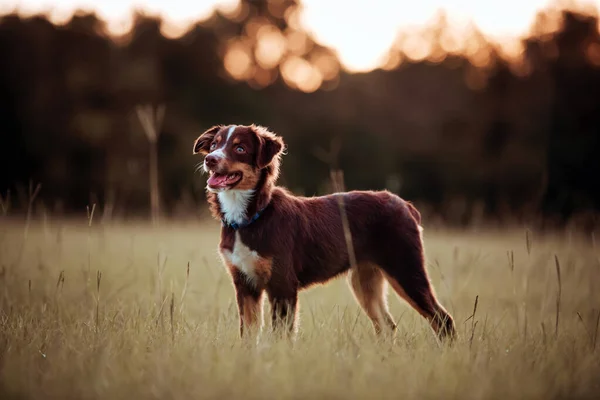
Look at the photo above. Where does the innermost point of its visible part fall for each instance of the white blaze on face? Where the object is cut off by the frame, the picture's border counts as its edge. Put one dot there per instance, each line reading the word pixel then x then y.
pixel 219 153
pixel 234 203
pixel 229 132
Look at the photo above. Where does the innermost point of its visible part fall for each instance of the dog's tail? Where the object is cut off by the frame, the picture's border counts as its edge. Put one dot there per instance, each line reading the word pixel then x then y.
pixel 414 212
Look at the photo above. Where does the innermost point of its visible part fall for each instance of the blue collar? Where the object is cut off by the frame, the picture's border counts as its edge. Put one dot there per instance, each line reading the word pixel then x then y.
pixel 244 224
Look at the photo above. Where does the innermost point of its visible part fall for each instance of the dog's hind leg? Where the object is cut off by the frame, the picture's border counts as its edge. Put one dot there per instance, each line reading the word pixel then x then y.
pixel 370 289
pixel 405 270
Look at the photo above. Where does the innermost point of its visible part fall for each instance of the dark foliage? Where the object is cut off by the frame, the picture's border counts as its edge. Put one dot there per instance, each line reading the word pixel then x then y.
pixel 525 145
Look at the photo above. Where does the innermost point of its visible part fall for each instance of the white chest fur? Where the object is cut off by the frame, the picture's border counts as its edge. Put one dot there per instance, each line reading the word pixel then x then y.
pixel 243 258
pixel 234 204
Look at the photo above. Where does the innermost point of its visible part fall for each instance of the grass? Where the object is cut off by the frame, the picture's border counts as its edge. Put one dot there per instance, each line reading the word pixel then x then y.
pixel 134 311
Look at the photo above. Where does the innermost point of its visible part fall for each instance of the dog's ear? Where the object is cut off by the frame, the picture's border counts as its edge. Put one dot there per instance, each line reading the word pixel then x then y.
pixel 202 144
pixel 270 146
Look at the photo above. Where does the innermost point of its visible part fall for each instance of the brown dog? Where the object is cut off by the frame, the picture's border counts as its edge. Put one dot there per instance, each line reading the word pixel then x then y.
pixel 278 243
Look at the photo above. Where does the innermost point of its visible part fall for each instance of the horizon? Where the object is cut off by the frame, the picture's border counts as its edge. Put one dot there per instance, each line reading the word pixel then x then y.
pixel 357 51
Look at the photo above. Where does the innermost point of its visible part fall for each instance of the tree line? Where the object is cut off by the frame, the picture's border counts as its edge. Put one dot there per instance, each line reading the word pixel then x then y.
pixel 464 140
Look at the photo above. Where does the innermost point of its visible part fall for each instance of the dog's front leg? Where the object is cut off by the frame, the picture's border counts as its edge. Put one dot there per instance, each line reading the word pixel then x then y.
pixel 283 312
pixel 249 301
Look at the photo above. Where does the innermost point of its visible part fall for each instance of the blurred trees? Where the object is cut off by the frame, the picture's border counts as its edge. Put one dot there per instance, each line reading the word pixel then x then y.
pixel 466 131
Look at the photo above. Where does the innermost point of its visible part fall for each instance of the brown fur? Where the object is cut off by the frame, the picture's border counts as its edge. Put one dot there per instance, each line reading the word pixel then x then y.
pixel 369 287
pixel 299 241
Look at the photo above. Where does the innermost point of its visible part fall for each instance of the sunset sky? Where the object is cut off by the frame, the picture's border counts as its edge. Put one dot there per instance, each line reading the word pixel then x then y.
pixel 362 33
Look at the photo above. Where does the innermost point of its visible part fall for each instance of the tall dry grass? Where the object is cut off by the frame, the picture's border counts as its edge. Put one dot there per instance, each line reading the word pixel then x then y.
pixel 131 311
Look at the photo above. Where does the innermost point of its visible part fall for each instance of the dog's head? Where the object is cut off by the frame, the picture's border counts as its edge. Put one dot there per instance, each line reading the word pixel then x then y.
pixel 236 155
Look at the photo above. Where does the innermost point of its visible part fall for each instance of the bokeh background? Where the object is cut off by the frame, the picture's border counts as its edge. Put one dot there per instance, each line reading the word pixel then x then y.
pixel 474 128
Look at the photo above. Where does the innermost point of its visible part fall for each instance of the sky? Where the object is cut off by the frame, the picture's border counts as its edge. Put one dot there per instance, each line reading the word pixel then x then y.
pixel 361 34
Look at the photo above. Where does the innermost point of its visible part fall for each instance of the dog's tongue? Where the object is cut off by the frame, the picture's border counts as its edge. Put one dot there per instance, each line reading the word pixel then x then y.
pixel 218 180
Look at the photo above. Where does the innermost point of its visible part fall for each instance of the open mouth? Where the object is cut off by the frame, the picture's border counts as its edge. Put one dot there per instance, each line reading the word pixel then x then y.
pixel 223 181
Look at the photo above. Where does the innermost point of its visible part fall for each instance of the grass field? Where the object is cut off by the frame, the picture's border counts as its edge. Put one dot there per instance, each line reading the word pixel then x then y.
pixel 110 312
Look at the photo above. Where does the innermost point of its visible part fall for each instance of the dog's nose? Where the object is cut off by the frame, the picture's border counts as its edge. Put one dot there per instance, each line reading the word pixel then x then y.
pixel 210 160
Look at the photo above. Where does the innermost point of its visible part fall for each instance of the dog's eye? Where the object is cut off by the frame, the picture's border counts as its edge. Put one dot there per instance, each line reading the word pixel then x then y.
pixel 212 146
pixel 240 149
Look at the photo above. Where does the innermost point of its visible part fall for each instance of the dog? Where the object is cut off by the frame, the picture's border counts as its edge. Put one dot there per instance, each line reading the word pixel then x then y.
pixel 277 243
